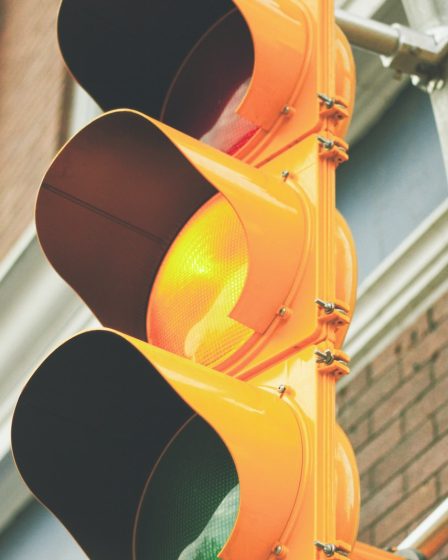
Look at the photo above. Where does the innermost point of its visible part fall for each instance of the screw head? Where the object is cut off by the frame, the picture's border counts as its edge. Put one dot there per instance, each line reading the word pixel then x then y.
pixel 278 550
pixel 281 389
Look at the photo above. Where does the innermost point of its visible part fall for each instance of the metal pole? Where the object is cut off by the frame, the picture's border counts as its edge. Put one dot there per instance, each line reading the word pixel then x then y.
pixel 368 34
pixel 424 541
pixel 402 48
pixel 432 15
pixel 431 535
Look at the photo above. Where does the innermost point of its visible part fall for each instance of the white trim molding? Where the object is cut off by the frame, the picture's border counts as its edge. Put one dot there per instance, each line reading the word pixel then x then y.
pixel 38 312
pixel 407 282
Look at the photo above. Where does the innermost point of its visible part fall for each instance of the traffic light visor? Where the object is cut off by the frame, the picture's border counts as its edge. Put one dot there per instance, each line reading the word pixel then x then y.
pixel 136 216
pixel 89 430
pixel 210 85
pixel 133 53
pixel 103 434
pixel 239 64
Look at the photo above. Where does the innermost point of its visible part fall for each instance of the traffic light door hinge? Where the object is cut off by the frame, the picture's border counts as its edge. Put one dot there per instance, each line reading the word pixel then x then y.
pixel 335 108
pixel 339 551
pixel 337 312
pixel 333 148
pixel 333 362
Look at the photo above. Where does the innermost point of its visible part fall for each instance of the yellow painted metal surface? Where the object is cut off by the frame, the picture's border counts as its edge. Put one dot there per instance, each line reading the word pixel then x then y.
pixel 279 104
pixel 268 432
pixel 271 480
pixel 282 95
pixel 275 218
pixel 280 248
pixel 269 216
pixel 300 376
pixel 264 436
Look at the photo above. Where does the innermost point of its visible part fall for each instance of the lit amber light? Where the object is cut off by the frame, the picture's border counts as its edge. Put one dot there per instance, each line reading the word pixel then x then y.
pixel 198 285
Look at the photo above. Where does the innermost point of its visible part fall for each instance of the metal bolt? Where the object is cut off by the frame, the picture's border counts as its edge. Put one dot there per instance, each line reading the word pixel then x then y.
pixel 285 174
pixel 327 549
pixel 282 311
pixel 285 110
pixel 329 102
pixel 281 389
pixel 326 357
pixel 278 550
pixel 327 306
pixel 326 143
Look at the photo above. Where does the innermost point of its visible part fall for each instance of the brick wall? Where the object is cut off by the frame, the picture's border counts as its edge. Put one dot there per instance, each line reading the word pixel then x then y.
pixel 395 412
pixel 32 93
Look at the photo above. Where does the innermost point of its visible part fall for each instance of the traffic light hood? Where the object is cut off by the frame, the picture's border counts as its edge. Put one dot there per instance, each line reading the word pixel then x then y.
pixel 103 436
pixel 126 190
pixel 246 67
pixel 119 193
pixel 121 50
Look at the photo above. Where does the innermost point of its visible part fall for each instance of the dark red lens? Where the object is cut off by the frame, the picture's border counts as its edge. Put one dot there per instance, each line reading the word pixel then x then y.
pixel 214 78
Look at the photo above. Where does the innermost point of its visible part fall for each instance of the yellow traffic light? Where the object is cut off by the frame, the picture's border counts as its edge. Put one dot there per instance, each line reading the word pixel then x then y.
pixel 132 474
pixel 249 71
pixel 137 193
pixel 202 420
pixel 198 285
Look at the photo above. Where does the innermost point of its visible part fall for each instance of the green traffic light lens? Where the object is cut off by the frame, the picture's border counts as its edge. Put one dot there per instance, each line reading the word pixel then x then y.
pixel 191 500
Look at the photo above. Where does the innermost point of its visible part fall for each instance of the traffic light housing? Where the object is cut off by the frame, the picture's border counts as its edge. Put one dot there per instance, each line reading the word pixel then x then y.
pixel 135 190
pixel 223 272
pixel 247 70
pixel 105 413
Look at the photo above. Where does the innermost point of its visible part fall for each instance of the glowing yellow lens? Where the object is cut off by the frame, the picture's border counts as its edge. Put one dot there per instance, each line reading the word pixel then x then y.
pixel 198 285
